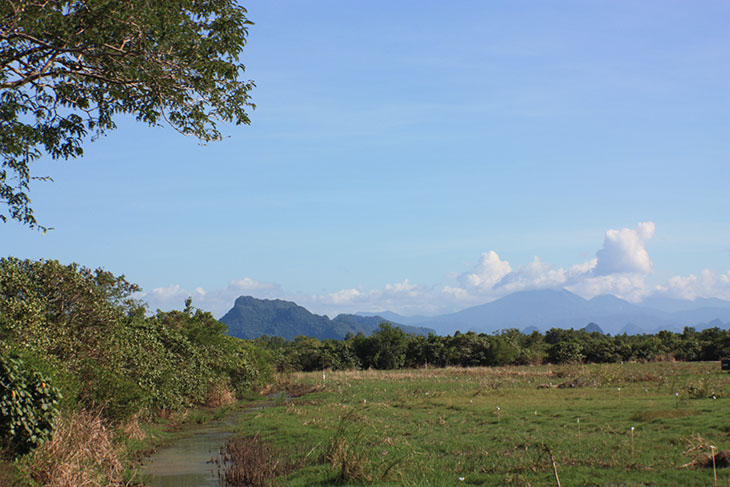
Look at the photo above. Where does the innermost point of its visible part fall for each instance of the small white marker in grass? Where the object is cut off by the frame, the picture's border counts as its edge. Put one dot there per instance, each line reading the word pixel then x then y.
pixel 714 467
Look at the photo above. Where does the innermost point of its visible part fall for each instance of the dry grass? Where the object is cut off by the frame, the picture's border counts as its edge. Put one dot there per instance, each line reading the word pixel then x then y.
pixel 80 454
pixel 704 460
pixel 133 430
pixel 252 462
pixel 292 387
pixel 8 473
pixel 699 448
pixel 346 453
pixel 219 395
pixel 445 372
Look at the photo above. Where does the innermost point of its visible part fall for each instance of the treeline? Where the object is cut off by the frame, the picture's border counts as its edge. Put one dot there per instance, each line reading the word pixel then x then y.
pixel 73 339
pixel 390 348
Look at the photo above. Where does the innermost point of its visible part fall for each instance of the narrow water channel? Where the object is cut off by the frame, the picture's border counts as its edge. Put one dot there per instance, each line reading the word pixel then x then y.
pixel 186 462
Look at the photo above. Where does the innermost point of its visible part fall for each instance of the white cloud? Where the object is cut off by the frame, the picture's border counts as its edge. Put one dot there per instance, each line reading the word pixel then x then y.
pixel 706 284
pixel 251 285
pixel 623 251
pixel 218 301
pixel 628 286
pixel 401 297
pixel 171 297
pixel 405 287
pixel 535 275
pixel 342 297
pixel 621 268
pixel 487 272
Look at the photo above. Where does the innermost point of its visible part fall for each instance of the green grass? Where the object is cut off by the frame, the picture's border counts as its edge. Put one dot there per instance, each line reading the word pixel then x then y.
pixel 499 426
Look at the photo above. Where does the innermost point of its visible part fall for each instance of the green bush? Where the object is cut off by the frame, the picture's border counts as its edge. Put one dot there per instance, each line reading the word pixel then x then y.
pixel 92 337
pixel 28 406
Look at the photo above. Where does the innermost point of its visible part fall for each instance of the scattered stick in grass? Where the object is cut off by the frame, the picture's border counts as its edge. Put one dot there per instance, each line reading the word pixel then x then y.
pixel 555 467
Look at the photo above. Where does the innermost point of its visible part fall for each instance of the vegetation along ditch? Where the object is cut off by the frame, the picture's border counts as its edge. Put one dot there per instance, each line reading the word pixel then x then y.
pixel 92 384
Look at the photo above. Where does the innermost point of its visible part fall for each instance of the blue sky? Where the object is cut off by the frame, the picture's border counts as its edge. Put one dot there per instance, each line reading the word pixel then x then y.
pixel 398 147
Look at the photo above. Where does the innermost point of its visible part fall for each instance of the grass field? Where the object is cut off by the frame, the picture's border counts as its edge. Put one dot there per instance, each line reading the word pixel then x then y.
pixel 612 425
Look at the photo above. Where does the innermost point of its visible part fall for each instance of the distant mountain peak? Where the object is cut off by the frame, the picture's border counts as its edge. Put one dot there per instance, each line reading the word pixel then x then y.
pixel 252 317
pixel 593 328
pixel 559 308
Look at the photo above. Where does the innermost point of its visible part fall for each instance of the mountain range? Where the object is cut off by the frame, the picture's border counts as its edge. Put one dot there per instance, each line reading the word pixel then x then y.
pixel 545 309
pixel 251 318
pixel 537 310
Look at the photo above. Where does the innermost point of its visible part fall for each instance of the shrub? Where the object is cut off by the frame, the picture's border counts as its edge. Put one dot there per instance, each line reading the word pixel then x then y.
pixel 27 406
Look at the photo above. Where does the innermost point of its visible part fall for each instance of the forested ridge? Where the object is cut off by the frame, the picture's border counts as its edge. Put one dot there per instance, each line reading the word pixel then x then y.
pixel 391 348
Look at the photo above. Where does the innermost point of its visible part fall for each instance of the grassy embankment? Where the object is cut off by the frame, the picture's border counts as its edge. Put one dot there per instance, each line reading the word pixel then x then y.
pixel 502 426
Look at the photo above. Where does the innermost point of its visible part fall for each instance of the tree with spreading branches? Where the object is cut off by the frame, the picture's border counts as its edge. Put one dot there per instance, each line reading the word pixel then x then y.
pixel 68 67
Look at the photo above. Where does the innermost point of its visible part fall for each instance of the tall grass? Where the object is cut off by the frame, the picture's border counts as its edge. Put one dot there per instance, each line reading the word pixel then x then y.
pixel 251 462
pixel 81 453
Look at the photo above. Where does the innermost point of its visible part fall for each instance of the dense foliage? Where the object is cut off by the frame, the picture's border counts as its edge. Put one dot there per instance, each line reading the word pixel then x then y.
pixel 28 407
pixel 68 67
pixel 88 336
pixel 391 348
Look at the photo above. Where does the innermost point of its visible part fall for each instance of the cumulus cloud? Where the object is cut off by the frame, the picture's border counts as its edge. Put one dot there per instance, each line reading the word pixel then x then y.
pixel 401 297
pixel 171 297
pixel 535 275
pixel 487 272
pixel 621 267
pixel 218 301
pixel 630 286
pixel 706 284
pixel 623 251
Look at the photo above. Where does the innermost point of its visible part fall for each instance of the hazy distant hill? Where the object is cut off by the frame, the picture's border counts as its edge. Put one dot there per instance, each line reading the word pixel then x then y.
pixel 252 318
pixel 368 324
pixel 545 309
pixel 672 305
pixel 396 318
pixel 592 328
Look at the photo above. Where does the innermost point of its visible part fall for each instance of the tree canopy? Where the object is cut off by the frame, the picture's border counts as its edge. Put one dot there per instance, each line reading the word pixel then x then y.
pixel 68 67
